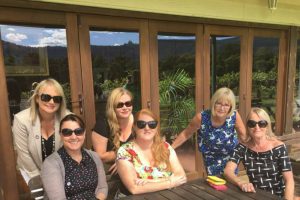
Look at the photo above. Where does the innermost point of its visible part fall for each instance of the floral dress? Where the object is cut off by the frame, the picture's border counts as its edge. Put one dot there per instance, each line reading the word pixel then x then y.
pixel 143 171
pixel 216 143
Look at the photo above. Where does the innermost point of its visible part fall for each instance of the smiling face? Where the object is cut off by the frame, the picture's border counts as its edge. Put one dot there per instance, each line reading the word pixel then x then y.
pixel 146 133
pixel 126 110
pixel 257 131
pixel 49 107
pixel 222 108
pixel 73 142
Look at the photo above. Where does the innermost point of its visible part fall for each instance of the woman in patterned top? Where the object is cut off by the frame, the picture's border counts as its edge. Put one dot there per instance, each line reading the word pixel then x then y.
pixel 216 130
pixel 264 157
pixel 147 163
pixel 73 172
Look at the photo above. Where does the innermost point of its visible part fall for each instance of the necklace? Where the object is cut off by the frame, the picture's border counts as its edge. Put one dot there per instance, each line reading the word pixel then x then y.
pixel 45 154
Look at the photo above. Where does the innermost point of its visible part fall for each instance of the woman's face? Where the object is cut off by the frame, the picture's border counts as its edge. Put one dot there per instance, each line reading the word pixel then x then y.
pixel 48 99
pixel 145 128
pixel 124 107
pixel 257 127
pixel 222 108
pixel 72 135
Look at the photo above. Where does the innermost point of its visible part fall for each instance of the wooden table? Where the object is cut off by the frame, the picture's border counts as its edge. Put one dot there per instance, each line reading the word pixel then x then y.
pixel 199 189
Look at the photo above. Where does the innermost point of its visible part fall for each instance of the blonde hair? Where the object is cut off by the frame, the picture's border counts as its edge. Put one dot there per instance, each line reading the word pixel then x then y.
pixel 263 115
pixel 223 94
pixel 112 101
pixel 34 107
pixel 159 150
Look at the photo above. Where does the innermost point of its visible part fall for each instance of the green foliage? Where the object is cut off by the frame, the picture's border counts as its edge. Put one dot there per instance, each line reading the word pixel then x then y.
pixel 109 85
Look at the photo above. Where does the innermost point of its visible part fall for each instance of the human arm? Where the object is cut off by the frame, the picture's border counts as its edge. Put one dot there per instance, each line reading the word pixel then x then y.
pixel 240 128
pixel 21 139
pixel 193 126
pixel 100 146
pixel 289 185
pixel 53 179
pixel 102 188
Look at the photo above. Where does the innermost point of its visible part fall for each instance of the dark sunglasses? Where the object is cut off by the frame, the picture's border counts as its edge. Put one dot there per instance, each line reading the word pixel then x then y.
pixel 142 124
pixel 66 132
pixel 121 104
pixel 261 123
pixel 47 98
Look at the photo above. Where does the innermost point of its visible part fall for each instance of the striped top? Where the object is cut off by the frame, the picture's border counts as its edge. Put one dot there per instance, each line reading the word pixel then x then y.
pixel 264 169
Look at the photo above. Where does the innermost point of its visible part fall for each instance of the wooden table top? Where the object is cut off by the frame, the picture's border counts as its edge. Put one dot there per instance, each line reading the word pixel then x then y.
pixel 199 189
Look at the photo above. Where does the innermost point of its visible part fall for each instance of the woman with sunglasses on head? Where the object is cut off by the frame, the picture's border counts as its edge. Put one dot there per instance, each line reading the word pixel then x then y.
pixel 111 131
pixel 147 163
pixel 218 131
pixel 73 172
pixel 36 129
pixel 264 157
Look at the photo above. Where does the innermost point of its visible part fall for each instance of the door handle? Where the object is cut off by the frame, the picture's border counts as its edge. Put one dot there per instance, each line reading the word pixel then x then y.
pixel 148 104
pixel 80 103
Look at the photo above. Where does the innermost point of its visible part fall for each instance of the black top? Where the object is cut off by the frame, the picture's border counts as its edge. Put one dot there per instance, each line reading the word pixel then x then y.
pixel 102 128
pixel 264 169
pixel 48 146
pixel 81 179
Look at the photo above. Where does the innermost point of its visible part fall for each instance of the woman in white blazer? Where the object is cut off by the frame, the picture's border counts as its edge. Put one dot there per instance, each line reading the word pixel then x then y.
pixel 36 129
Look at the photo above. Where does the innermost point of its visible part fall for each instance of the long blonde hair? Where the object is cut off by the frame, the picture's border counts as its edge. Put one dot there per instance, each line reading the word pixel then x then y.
pixel 112 101
pixel 159 150
pixel 34 107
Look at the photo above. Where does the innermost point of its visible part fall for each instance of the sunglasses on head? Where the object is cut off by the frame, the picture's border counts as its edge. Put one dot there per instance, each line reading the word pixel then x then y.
pixel 121 104
pixel 66 132
pixel 261 123
pixel 47 98
pixel 142 124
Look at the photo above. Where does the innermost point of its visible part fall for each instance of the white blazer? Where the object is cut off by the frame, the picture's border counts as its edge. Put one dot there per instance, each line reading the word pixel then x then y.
pixel 27 139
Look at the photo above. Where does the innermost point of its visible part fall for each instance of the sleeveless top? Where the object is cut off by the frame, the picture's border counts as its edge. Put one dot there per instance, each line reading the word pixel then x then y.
pixel 216 143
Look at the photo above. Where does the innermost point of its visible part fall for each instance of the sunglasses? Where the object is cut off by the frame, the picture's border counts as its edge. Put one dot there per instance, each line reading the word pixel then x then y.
pixel 121 104
pixel 66 132
pixel 142 124
pixel 261 123
pixel 47 98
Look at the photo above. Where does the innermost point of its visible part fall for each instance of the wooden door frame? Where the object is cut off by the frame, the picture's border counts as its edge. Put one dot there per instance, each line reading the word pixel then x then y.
pixel 178 28
pixel 113 23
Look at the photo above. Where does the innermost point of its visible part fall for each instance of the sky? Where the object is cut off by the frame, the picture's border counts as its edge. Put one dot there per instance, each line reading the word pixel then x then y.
pixel 41 37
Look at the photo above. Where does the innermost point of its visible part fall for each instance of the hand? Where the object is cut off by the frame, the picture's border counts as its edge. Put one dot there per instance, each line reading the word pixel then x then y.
pixel 176 180
pixel 246 187
pixel 113 169
pixel 141 182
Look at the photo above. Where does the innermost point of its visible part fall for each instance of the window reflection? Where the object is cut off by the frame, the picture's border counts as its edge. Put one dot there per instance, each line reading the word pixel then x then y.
pixel 176 89
pixel 115 60
pixel 296 108
pixel 32 54
pixel 225 63
pixel 264 75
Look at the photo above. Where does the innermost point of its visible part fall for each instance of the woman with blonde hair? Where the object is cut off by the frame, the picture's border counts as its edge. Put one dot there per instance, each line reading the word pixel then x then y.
pixel 147 163
pixel 115 128
pixel 36 129
pixel 218 130
pixel 264 157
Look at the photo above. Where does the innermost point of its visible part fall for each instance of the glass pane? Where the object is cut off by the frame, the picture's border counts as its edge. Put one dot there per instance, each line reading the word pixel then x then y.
pixel 32 54
pixel 225 63
pixel 176 89
pixel 264 75
pixel 296 109
pixel 116 63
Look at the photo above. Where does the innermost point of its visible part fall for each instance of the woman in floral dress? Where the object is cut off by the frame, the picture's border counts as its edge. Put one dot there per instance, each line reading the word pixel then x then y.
pixel 218 131
pixel 147 163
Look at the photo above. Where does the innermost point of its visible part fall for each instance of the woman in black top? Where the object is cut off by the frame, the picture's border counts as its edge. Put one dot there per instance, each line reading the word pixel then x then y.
pixel 264 157
pixel 115 128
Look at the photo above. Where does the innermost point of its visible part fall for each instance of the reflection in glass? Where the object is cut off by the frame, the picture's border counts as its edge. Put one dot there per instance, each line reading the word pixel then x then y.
pixel 225 63
pixel 32 54
pixel 176 89
pixel 115 60
pixel 264 74
pixel 296 108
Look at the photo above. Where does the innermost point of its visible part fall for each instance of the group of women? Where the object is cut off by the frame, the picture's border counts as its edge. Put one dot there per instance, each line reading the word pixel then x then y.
pixel 49 141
